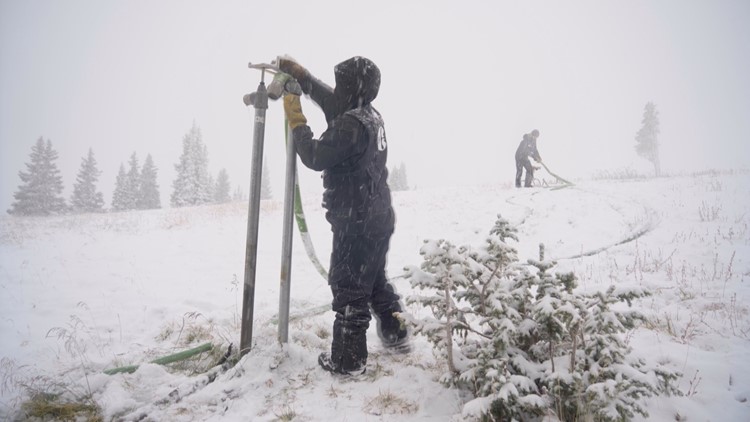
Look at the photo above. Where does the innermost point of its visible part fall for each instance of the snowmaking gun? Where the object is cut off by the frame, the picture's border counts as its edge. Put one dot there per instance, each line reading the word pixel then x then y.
pixel 282 83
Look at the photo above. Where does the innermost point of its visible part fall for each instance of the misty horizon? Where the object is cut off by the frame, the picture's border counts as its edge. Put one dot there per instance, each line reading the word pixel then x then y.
pixel 124 78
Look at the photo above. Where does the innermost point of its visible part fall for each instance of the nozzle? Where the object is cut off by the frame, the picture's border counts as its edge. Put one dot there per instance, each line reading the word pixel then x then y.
pixel 276 87
pixel 249 99
pixel 258 99
pixel 283 82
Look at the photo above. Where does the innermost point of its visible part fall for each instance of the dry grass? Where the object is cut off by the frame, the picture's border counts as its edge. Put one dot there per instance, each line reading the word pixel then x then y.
pixel 388 403
pixel 48 407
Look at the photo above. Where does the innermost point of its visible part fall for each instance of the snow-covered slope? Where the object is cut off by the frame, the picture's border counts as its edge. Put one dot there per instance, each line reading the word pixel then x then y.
pixel 80 294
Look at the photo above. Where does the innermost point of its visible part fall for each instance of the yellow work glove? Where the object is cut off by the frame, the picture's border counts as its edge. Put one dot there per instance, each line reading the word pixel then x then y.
pixel 293 111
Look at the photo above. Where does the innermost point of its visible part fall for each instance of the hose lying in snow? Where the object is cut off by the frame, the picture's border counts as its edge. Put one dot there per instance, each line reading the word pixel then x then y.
pixel 164 360
pixel 556 176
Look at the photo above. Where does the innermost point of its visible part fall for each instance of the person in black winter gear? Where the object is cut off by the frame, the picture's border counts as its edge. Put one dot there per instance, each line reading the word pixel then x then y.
pixel 526 149
pixel 352 155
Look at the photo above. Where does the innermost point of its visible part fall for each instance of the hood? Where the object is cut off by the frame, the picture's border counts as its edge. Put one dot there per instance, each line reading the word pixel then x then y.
pixel 357 83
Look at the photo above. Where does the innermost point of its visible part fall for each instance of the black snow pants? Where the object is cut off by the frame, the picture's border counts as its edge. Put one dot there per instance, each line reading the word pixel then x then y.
pixel 521 164
pixel 358 282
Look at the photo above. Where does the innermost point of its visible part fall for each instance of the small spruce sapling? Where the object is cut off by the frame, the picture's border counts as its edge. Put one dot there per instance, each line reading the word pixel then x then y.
pixel 524 344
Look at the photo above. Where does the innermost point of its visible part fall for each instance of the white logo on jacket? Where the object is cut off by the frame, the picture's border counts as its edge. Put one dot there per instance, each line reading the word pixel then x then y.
pixel 382 144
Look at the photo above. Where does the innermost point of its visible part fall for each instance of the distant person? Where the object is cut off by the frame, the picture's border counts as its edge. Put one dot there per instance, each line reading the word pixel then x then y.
pixel 526 149
pixel 352 154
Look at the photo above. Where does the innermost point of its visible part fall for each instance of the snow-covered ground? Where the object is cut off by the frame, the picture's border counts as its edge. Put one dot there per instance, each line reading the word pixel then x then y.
pixel 81 294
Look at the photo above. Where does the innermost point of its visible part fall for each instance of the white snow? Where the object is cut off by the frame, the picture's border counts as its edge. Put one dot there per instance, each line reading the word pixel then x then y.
pixel 81 294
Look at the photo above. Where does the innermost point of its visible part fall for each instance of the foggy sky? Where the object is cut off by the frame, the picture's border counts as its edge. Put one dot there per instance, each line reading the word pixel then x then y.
pixel 462 82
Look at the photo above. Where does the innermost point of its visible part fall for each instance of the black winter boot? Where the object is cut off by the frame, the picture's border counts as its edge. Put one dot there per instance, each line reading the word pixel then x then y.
pixel 393 334
pixel 325 362
pixel 349 345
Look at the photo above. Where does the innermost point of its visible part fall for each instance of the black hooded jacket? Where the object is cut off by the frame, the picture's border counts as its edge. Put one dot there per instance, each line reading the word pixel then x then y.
pixel 352 152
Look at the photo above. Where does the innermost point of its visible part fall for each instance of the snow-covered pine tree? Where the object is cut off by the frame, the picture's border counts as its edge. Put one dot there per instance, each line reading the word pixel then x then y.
pixel 397 180
pixel 120 196
pixel 404 178
pixel 41 190
pixel 148 189
pixel 647 137
pixel 133 183
pixel 211 187
pixel 525 344
pixel 239 194
pixel 265 184
pixel 393 179
pixel 191 186
pixel 481 297
pixel 443 266
pixel 85 197
pixel 221 189
pixel 557 315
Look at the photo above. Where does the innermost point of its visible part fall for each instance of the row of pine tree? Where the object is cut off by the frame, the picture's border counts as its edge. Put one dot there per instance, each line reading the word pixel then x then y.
pixel 136 188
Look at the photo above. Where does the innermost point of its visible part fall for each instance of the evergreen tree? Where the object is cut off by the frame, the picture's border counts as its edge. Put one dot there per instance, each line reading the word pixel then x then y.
pixel 397 179
pixel 221 190
pixel 647 142
pixel 265 184
pixel 133 183
pixel 148 191
pixel 523 342
pixel 192 187
pixel 211 188
pixel 85 196
pixel 404 178
pixel 394 181
pixel 41 190
pixel 120 196
pixel 239 194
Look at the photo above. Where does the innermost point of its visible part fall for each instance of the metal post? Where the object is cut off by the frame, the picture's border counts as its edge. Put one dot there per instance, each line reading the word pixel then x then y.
pixel 286 245
pixel 251 251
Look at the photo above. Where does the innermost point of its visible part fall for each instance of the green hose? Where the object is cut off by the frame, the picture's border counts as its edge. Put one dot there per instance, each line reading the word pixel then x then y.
pixel 164 360
pixel 558 177
pixel 299 215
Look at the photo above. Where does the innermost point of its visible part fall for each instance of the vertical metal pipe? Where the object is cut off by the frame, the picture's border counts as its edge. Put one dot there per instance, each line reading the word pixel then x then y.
pixel 286 245
pixel 251 251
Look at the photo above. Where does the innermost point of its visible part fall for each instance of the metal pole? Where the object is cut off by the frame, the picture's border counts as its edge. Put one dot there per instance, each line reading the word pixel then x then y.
pixel 286 245
pixel 251 251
